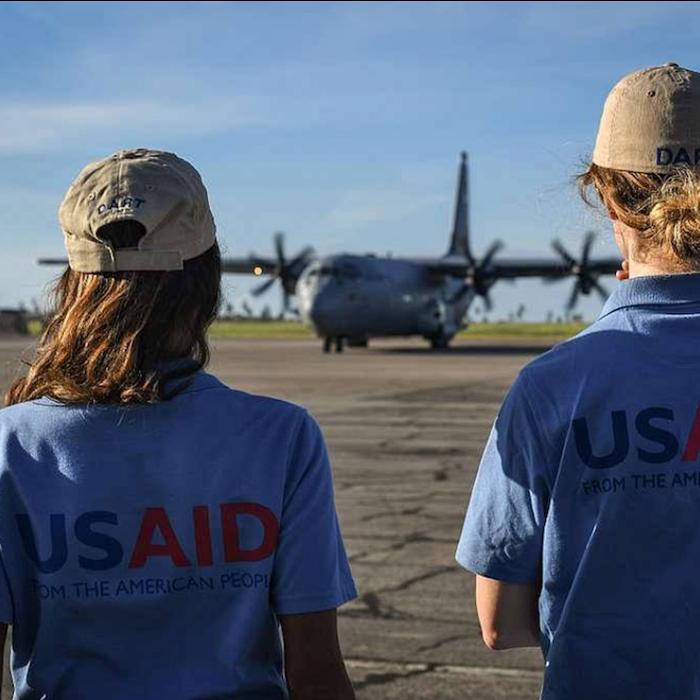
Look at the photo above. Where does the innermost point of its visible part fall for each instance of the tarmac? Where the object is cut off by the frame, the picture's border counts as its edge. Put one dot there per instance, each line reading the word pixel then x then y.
pixel 405 428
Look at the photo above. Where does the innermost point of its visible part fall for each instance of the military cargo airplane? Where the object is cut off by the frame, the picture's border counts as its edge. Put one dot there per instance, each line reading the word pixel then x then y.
pixel 352 298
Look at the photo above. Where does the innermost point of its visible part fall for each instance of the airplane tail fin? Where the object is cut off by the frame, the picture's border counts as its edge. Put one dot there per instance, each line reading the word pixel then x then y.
pixel 459 243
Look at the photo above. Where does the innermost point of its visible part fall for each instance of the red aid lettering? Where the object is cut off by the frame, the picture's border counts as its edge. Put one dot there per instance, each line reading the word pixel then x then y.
pixel 693 447
pixel 144 548
pixel 229 528
pixel 202 535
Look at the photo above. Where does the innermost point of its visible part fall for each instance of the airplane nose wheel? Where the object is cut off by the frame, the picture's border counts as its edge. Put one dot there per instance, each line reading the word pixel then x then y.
pixel 338 343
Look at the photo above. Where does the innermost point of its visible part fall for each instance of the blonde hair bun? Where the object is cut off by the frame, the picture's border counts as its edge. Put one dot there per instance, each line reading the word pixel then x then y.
pixel 674 216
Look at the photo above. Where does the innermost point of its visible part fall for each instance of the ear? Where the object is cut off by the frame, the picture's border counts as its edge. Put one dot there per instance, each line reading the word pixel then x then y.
pixel 621 238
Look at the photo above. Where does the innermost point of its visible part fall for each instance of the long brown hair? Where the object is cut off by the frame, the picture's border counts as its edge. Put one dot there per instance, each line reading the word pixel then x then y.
pixel 110 335
pixel 663 208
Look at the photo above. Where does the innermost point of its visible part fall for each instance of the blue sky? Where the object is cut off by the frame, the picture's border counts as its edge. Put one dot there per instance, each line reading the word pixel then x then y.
pixel 338 123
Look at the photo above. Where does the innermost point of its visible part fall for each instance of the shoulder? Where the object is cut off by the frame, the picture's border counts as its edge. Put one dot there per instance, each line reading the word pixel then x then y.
pixel 566 362
pixel 28 425
pixel 24 413
pixel 550 386
pixel 206 401
pixel 275 423
pixel 249 406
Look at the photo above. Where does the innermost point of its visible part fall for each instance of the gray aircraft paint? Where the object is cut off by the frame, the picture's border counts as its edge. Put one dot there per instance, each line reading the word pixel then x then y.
pixel 361 297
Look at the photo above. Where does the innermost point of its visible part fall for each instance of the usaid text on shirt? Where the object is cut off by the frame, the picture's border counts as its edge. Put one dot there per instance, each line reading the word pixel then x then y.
pixel 648 436
pixel 98 531
pixel 652 424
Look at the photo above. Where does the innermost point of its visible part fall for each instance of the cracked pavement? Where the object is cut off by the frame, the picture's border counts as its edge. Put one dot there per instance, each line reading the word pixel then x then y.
pixel 405 429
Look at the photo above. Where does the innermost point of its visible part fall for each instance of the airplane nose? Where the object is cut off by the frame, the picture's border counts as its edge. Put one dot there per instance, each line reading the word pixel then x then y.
pixel 321 312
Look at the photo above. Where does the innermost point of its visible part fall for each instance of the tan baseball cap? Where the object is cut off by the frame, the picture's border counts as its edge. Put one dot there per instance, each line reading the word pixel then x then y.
pixel 651 121
pixel 162 192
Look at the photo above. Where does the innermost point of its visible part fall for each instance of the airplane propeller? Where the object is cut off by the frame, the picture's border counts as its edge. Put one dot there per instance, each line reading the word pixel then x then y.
pixel 286 271
pixel 481 282
pixel 586 279
pixel 477 277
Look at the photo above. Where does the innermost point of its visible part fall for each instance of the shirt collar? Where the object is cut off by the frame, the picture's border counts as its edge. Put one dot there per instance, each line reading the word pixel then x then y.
pixel 179 380
pixel 173 364
pixel 654 290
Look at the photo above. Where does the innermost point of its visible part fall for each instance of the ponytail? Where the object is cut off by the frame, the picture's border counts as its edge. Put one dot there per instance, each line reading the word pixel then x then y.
pixel 675 216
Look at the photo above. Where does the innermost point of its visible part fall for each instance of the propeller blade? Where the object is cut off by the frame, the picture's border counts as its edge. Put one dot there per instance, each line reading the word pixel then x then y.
pixel 279 248
pixel 563 252
pixel 300 257
pixel 261 289
pixel 573 298
pixel 602 291
pixel 586 248
pixel 490 253
pixel 488 304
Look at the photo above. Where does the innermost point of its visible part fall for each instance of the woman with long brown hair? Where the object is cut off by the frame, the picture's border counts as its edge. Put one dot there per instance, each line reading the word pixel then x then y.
pixel 156 526
pixel 582 527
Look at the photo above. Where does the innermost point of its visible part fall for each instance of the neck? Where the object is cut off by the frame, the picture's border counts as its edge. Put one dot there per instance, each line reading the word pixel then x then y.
pixel 640 269
pixel 657 267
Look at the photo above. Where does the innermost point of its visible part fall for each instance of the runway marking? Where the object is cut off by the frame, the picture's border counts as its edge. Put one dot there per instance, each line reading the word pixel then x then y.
pixel 416 667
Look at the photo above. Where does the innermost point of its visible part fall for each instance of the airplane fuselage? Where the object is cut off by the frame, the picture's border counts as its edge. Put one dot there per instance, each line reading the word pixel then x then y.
pixel 360 297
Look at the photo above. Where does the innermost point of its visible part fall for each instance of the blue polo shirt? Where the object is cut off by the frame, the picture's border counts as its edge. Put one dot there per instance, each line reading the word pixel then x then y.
pixel 590 483
pixel 147 552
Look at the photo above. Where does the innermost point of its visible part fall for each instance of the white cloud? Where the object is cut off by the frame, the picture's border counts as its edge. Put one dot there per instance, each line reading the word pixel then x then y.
pixel 36 127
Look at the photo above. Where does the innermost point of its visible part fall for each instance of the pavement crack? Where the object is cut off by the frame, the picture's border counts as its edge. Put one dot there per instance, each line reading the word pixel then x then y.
pixel 435 571
pixel 373 679
pixel 441 642
pixel 394 546
pixel 378 609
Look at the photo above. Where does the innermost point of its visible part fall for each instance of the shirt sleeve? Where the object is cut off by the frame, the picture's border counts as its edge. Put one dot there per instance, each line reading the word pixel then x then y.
pixel 503 529
pixel 311 570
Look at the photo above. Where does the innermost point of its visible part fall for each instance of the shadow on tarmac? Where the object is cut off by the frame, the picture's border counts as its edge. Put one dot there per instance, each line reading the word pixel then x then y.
pixel 515 349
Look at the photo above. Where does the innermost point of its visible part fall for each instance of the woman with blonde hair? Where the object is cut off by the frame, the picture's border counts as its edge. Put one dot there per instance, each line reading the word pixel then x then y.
pixel 582 528
pixel 156 526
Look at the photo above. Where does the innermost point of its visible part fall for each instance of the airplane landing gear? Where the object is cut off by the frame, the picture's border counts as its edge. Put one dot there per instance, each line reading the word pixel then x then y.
pixel 337 342
pixel 440 342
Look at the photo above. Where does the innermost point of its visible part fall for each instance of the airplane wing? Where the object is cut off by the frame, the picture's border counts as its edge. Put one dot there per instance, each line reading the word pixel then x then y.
pixel 491 268
pixel 481 275
pixel 512 268
pixel 249 266
pixel 550 269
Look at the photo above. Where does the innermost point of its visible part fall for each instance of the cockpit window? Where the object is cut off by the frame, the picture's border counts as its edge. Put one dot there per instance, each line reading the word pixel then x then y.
pixel 338 272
